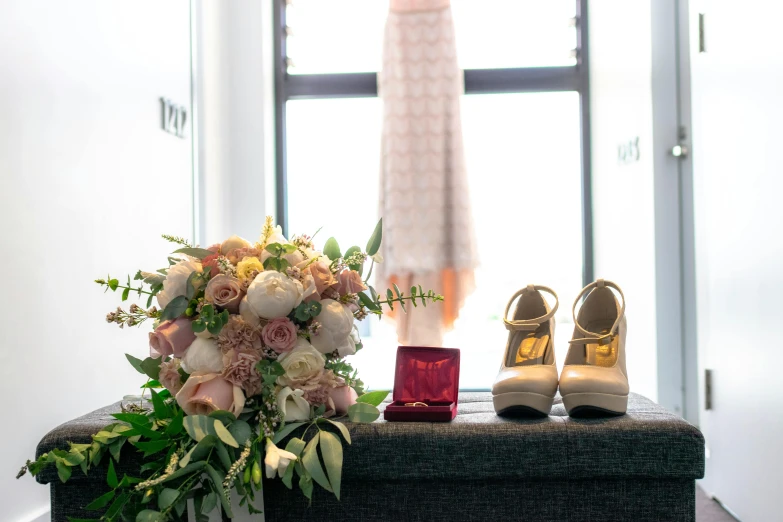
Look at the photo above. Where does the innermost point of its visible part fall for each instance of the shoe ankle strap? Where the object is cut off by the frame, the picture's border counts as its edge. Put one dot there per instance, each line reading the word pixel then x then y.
pixel 593 337
pixel 529 325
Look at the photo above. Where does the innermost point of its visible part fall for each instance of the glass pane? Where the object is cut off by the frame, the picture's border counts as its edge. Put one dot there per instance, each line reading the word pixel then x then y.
pixel 523 159
pixel 338 36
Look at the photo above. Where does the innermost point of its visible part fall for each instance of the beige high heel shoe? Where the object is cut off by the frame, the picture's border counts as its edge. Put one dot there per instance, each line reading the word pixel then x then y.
pixel 527 380
pixel 594 380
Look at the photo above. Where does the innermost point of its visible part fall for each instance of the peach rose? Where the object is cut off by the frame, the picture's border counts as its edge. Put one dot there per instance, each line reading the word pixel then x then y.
pixel 350 282
pixel 171 338
pixel 207 392
pixel 322 276
pixel 343 398
pixel 225 292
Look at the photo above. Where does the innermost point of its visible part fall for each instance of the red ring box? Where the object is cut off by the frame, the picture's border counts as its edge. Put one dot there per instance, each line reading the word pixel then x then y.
pixel 428 375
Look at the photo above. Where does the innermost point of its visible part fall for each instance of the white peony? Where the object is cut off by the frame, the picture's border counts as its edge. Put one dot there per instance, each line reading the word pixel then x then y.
pixel 276 460
pixel 248 314
pixel 302 363
pixel 272 294
pixel 203 356
pixel 349 346
pixel 336 322
pixel 176 281
pixel 232 243
pixel 292 405
pixel 308 284
pixel 276 237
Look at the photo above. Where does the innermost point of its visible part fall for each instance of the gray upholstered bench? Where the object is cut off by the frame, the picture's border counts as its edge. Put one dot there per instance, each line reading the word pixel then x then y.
pixel 641 466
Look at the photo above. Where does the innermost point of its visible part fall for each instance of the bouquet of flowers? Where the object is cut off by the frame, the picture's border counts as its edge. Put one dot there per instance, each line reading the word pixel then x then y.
pixel 248 349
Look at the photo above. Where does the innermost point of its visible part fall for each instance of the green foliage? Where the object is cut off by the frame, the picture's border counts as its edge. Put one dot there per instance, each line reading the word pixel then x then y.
pixel 287 430
pixel 374 398
pixel 306 311
pixel 276 262
pixel 176 308
pixel 363 413
pixel 332 249
pixel 198 253
pixel 209 320
pixel 270 371
pixel 332 453
pixel 374 244
pixel 359 267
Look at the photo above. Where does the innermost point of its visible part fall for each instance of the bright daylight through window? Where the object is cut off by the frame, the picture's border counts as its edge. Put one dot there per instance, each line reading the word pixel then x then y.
pixel 522 149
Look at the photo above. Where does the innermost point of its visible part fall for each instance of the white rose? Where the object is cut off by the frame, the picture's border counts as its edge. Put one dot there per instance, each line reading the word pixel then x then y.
pixel 203 356
pixel 175 283
pixel 272 294
pixel 302 363
pixel 336 322
pixel 276 460
pixel 232 243
pixel 248 314
pixel 293 405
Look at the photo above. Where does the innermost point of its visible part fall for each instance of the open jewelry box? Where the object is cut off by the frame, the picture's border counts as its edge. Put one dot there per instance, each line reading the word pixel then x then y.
pixel 426 385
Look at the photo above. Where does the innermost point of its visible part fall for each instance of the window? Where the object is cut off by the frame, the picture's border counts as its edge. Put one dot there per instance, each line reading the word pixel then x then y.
pixel 524 118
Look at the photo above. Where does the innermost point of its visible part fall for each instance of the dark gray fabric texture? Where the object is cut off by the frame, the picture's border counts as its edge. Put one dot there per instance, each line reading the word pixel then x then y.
pixel 639 466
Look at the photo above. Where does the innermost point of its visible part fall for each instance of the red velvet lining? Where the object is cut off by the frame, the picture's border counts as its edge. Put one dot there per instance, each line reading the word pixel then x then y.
pixel 428 375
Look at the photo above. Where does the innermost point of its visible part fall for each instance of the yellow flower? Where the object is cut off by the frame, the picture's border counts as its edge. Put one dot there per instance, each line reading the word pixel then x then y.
pixel 248 267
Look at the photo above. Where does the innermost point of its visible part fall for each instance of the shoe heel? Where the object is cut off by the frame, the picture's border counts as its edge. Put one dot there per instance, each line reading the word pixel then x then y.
pixel 595 404
pixel 522 403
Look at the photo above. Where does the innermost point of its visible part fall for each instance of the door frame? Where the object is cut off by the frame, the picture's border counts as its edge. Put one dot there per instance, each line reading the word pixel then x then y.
pixel 678 380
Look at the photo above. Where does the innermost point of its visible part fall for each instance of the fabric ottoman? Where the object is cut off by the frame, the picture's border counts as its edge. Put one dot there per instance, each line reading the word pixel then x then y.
pixel 640 466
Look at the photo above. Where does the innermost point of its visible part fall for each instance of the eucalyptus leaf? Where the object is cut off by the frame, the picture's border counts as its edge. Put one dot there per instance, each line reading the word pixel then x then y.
pixel 312 463
pixel 374 244
pixel 241 431
pixel 199 426
pixel 175 308
pixel 332 249
pixel 222 453
pixel 209 503
pixel 224 435
pixel 148 515
pixel 362 412
pixel 374 397
pixel 199 451
pixel 332 453
pixel 151 367
pixel 367 301
pixel 198 253
pixel 226 417
pixel 135 362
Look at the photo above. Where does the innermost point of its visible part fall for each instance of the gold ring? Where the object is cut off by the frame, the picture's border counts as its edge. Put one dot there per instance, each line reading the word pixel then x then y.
pixel 417 404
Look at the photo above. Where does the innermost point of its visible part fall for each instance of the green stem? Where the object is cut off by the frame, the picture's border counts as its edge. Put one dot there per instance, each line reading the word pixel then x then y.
pixel 372 265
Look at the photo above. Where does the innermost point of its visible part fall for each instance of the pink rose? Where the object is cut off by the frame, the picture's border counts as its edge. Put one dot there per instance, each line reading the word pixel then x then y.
pixel 322 275
pixel 225 292
pixel 350 282
pixel 343 397
pixel 207 392
pixel 215 249
pixel 279 334
pixel 169 376
pixel 171 338
pixel 238 254
pixel 211 262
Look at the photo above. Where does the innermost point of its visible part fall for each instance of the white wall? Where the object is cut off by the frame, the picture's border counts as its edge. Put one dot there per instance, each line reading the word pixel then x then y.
pixel 88 183
pixel 623 194
pixel 234 93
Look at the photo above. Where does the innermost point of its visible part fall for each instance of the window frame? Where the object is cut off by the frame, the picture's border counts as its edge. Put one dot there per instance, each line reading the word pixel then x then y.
pixel 477 81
